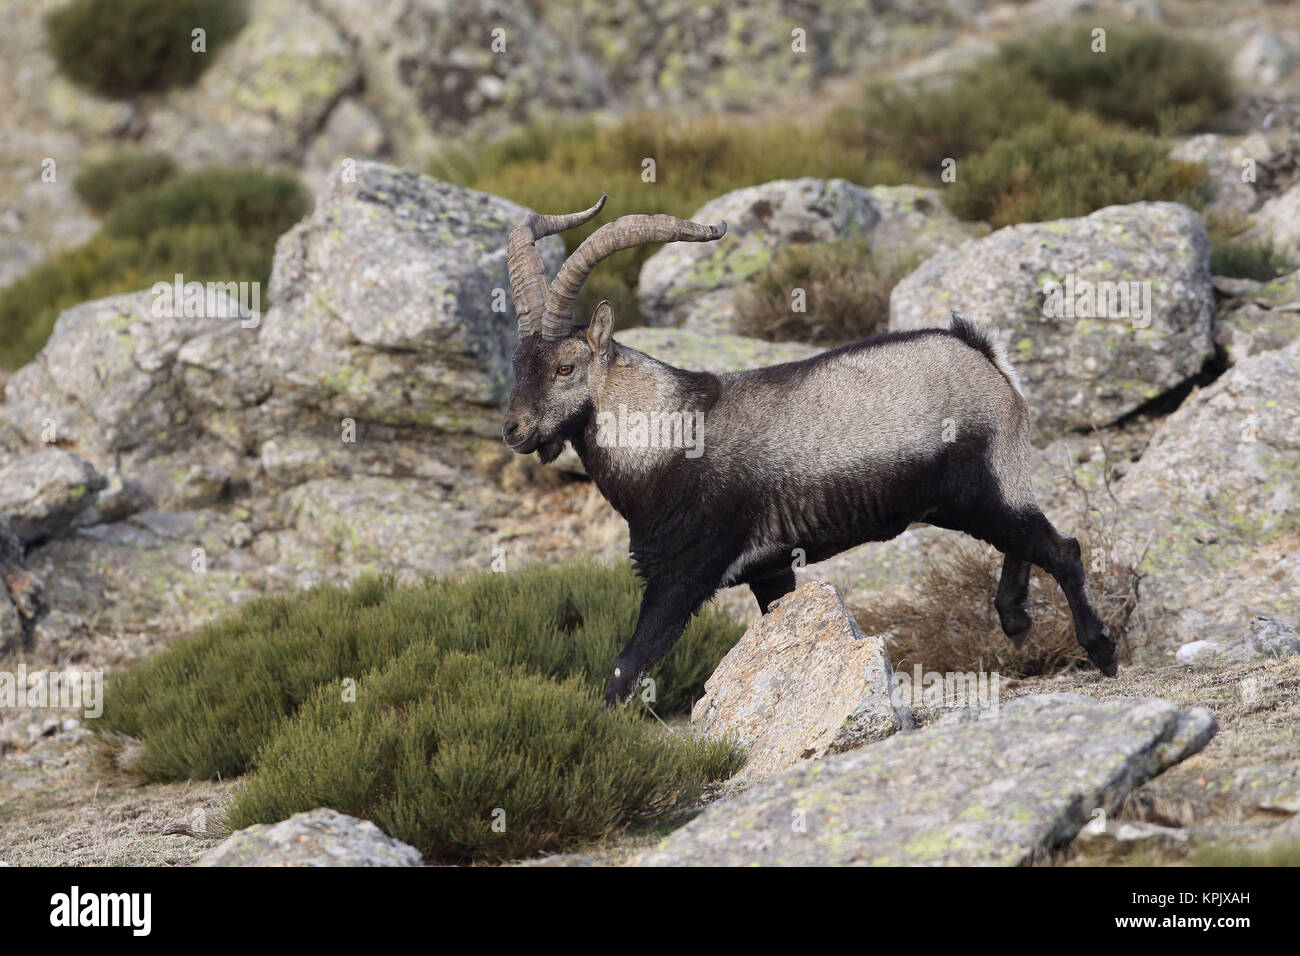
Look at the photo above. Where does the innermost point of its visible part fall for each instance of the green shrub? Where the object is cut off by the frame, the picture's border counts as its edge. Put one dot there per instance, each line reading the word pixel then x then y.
pixel 215 225
pixel 1070 166
pixel 437 746
pixel 248 198
pixel 846 288
pixel 102 184
pixel 1255 259
pixel 205 705
pixel 127 47
pixel 561 168
pixel 1147 78
pixel 30 304
pixel 921 126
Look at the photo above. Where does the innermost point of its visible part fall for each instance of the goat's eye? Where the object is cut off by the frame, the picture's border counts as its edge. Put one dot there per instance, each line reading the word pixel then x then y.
pixel 565 370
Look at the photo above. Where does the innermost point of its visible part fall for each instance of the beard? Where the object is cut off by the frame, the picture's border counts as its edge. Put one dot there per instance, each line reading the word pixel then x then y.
pixel 547 452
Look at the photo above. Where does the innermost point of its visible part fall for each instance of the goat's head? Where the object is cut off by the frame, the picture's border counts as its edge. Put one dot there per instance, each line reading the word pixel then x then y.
pixel 560 366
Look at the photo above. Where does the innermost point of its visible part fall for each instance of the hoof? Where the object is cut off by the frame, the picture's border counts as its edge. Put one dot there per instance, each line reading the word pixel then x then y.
pixel 1015 625
pixel 1106 658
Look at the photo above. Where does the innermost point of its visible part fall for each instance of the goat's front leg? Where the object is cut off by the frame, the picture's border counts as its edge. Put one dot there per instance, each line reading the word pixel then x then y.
pixel 666 609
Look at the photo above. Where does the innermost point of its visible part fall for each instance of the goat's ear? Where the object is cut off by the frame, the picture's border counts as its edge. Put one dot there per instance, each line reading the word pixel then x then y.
pixel 600 331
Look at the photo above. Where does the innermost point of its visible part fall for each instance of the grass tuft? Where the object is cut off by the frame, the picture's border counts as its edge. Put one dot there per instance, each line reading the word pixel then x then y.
pixel 846 290
pixel 102 184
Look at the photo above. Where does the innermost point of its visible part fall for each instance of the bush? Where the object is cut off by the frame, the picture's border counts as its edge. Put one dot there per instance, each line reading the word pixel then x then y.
pixel 923 126
pixel 128 47
pixel 206 705
pixel 102 184
pixel 438 745
pixel 847 289
pixel 1070 166
pixel 564 168
pixel 1147 78
pixel 247 198
pixel 1255 259
pixel 215 225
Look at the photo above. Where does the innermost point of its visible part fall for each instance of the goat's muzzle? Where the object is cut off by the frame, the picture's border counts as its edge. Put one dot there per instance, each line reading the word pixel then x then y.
pixel 518 436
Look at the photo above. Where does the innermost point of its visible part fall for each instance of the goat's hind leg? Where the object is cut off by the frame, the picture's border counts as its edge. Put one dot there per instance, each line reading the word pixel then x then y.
pixel 1060 556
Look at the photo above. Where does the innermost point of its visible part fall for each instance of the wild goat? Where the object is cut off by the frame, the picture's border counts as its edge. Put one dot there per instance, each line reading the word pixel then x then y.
pixel 848 446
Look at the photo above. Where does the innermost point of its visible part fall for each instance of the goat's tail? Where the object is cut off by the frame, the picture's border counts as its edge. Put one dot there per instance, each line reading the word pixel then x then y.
pixel 980 339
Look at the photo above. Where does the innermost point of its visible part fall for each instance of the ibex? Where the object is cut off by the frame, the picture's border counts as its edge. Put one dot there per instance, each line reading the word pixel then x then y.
pixel 810 457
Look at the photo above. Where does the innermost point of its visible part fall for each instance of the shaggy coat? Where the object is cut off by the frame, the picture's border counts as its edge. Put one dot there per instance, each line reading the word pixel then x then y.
pixel 792 463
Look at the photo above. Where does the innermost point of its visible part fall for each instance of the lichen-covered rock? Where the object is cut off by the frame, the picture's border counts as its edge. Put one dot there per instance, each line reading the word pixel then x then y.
pixel 804 681
pixel 339 527
pixel 1263 60
pixel 1083 360
pixel 42 494
pixel 320 837
pixel 1262 316
pixel 1264 638
pixel 156 572
pixel 436 68
pixel 997 789
pixel 719 353
pixel 391 306
pixel 1279 219
pixel 124 348
pixel 266 94
pixel 696 285
pixel 1214 504
pixel 1223 160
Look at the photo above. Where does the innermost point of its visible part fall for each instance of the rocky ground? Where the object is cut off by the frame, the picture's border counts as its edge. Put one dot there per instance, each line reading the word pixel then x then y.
pixel 57 807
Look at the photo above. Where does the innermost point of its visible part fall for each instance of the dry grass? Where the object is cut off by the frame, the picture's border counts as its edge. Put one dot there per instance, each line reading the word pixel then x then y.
pixel 948 622
pixel 845 288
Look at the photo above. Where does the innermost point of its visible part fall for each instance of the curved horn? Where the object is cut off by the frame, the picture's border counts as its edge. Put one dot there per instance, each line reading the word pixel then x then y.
pixel 524 262
pixel 623 233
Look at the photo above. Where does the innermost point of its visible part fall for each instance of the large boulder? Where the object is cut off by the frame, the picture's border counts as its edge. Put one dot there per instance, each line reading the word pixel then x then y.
pixel 696 285
pixel 1213 507
pixel 391 306
pixel 804 681
pixel 1082 361
pixel 321 837
pixel 127 346
pixel 979 788
pixel 42 494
